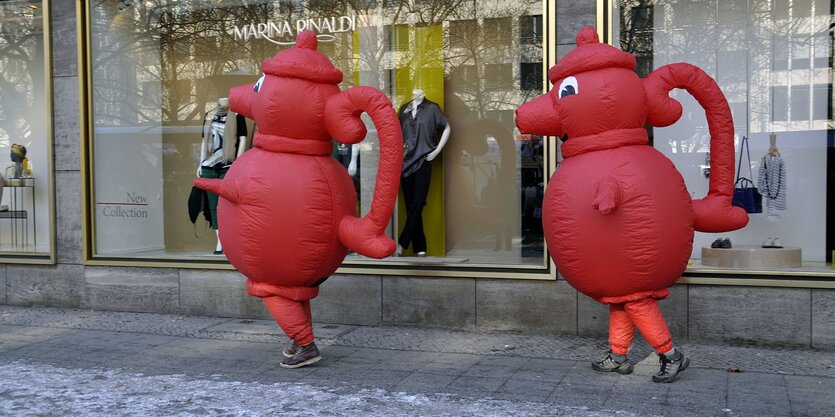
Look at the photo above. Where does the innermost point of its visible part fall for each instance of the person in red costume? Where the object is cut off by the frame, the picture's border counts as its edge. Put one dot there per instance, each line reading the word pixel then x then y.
pixel 617 216
pixel 287 209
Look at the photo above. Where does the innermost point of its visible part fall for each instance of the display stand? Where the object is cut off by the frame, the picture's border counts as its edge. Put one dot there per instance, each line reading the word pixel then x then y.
pixel 18 215
pixel 752 257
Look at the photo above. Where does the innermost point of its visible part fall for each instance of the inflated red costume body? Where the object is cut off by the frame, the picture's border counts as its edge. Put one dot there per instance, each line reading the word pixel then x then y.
pixel 287 208
pixel 617 216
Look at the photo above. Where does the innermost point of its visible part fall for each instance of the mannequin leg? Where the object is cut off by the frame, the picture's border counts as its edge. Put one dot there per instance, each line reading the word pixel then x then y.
pixel 219 247
pixel 293 317
pixel 621 329
pixel 647 316
pixel 415 190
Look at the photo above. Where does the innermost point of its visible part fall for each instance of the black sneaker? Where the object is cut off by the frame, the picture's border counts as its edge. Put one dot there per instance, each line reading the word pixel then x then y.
pixel 305 356
pixel 671 366
pixel 291 350
pixel 613 363
pixel 726 244
pixel 716 243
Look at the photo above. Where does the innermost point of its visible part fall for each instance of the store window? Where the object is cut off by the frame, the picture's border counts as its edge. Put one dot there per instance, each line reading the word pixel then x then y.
pixel 26 207
pixel 160 69
pixel 773 61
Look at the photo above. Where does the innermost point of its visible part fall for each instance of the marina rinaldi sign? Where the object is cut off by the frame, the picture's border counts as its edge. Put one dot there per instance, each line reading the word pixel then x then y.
pixel 284 32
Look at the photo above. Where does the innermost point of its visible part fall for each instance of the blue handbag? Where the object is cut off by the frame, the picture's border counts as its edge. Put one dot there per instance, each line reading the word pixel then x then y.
pixel 746 194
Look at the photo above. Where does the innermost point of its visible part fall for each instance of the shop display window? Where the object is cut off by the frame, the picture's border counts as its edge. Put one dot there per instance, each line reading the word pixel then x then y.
pixel 26 202
pixel 773 61
pixel 161 69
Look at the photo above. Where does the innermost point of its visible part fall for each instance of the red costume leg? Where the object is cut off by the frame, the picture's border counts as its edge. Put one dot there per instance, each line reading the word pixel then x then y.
pixel 647 316
pixel 621 329
pixel 293 317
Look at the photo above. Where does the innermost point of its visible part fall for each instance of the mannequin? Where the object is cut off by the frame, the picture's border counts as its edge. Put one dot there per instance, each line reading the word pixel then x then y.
pixel 216 153
pixel 421 122
pixel 771 182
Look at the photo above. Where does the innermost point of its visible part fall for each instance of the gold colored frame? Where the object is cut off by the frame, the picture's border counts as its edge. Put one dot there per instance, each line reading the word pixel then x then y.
pixel 47 258
pixel 544 271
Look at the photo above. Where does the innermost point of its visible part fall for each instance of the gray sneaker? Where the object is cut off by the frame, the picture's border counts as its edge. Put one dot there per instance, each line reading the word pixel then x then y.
pixel 291 350
pixel 671 366
pixel 305 356
pixel 613 363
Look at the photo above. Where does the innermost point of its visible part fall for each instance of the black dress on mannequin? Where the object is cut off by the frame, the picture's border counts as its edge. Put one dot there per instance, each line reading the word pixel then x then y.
pixel 421 129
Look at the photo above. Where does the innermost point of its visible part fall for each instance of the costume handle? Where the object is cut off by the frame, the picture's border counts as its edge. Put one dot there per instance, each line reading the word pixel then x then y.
pixel 714 213
pixel 342 120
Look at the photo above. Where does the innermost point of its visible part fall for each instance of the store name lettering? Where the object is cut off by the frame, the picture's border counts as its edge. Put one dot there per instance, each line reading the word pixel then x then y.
pixel 270 31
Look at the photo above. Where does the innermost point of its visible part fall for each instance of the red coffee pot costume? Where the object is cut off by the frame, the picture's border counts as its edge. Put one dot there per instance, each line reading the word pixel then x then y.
pixel 287 208
pixel 617 216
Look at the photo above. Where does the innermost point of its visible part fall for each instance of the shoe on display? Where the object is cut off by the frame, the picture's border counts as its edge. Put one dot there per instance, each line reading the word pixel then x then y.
pixel 671 366
pixel 613 363
pixel 305 356
pixel 421 254
pixel 716 243
pixel 4 207
pixel 291 350
pixel 768 243
pixel 726 244
pixel 776 243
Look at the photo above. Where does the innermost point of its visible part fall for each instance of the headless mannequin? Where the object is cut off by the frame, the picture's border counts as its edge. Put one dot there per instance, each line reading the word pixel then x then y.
pixel 209 152
pixel 421 120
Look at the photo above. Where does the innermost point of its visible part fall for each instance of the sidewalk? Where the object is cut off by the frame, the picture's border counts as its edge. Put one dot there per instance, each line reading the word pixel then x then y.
pixel 81 362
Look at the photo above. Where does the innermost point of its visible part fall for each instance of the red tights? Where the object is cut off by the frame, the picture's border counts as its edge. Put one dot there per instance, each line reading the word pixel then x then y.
pixel 293 317
pixel 646 316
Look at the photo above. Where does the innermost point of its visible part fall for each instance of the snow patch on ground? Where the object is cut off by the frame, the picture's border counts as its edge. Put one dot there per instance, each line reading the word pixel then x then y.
pixel 37 389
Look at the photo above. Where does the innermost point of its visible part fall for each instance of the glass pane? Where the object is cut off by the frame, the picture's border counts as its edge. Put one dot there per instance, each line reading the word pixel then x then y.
pixel 24 119
pixel 160 69
pixel 773 62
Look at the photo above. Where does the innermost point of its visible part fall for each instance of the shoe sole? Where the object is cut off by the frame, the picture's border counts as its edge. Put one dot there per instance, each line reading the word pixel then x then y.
pixel 626 371
pixel 684 366
pixel 300 364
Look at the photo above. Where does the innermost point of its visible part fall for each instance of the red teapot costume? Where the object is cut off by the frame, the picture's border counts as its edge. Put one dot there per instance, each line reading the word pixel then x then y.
pixel 617 216
pixel 287 208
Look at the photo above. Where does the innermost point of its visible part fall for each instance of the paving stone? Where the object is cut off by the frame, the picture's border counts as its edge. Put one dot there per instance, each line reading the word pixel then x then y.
pixel 54 285
pixel 68 235
pixel 762 315
pixel 430 302
pixel 144 290
pixel 544 307
pixel 417 382
pixel 823 319
pixel 526 390
pixel 350 299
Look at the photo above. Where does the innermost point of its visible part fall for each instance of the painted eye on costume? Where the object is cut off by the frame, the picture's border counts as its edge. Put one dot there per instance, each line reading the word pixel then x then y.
pixel 568 87
pixel 257 86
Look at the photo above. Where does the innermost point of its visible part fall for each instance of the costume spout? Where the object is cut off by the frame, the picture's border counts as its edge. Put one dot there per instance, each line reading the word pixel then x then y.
pixel 539 116
pixel 240 99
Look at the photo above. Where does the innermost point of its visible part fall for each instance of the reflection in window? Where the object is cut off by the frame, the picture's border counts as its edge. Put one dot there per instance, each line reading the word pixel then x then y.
pixel 530 30
pixel 822 102
pixel 24 116
pixel 773 62
pixel 531 75
pixel 780 104
pixel 498 76
pixel 157 72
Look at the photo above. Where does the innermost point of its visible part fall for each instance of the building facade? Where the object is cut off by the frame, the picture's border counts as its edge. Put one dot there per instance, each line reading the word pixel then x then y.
pixel 112 100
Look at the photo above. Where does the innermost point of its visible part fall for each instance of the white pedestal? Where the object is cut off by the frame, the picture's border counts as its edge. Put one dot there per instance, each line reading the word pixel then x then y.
pixel 752 257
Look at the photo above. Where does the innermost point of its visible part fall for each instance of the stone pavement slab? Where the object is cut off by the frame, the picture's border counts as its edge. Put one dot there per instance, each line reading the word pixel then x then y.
pixel 376 371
